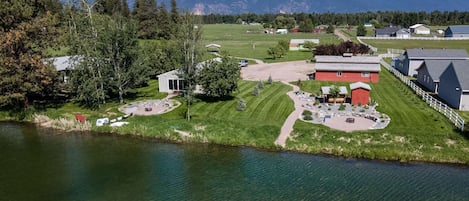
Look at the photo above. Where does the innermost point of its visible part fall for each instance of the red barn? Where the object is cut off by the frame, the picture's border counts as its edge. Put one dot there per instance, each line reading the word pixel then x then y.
pixel 347 68
pixel 360 93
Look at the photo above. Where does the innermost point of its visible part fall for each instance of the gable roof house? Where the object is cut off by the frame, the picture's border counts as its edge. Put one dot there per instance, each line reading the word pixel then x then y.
pixel 297 44
pixel 171 82
pixel 429 73
pixel 413 58
pixel 457 31
pixel 454 85
pixel 64 65
pixel 347 68
pixel 420 29
pixel 394 31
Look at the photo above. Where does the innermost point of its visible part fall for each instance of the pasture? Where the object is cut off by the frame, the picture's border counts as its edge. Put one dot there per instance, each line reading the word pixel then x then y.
pixel 250 41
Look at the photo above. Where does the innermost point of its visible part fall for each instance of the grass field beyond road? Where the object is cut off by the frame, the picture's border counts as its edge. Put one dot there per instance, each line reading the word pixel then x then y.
pixel 250 41
pixel 383 45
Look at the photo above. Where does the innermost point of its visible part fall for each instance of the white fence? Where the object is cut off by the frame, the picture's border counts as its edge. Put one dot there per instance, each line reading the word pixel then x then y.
pixel 413 38
pixel 439 106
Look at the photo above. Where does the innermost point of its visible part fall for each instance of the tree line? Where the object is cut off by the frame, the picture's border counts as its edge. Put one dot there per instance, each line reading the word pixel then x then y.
pixel 378 18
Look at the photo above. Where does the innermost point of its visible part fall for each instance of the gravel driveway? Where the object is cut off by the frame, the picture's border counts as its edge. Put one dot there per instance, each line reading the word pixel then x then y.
pixel 284 71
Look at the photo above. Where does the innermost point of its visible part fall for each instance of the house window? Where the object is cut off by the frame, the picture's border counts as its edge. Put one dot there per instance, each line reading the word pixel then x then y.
pixel 365 74
pixel 339 73
pixel 176 85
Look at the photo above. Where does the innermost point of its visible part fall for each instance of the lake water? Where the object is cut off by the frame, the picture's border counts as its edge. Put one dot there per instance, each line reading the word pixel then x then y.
pixel 40 164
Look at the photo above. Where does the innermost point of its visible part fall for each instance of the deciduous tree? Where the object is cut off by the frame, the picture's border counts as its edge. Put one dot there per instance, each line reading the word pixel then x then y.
pixel 219 79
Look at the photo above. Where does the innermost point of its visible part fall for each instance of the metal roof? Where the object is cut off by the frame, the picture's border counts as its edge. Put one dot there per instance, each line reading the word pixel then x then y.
pixel 353 59
pixel 348 67
pixel 420 53
pixel 458 29
pixel 357 85
pixel 326 90
pixel 301 41
pixel 65 62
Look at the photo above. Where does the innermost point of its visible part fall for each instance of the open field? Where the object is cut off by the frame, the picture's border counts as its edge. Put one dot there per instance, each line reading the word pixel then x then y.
pixel 383 45
pixel 416 132
pixel 250 41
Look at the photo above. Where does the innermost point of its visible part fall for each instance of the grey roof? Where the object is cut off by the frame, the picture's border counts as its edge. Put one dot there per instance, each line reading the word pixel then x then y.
pixel 353 59
pixel 387 30
pixel 347 67
pixel 402 31
pixel 326 90
pixel 461 68
pixel 459 29
pixel 420 53
pixel 357 85
pixel 170 74
pixel 65 62
pixel 301 41
pixel 435 68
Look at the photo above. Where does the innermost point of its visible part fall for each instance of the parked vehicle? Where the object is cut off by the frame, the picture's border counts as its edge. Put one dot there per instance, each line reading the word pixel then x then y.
pixel 243 63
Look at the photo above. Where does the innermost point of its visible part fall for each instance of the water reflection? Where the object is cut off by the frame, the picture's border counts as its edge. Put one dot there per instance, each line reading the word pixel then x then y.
pixel 41 164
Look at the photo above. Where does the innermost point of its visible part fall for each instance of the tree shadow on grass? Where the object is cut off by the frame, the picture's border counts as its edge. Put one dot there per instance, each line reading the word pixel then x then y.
pixel 210 99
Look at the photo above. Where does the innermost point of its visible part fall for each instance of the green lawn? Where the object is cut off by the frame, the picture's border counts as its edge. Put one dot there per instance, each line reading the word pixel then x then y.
pixel 383 45
pixel 251 42
pixel 416 132
pixel 214 121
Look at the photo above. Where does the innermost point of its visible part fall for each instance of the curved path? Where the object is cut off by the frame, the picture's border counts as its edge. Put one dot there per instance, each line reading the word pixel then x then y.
pixel 287 127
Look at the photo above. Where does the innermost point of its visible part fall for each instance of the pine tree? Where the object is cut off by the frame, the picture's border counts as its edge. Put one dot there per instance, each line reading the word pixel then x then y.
pixel 145 13
pixel 26 30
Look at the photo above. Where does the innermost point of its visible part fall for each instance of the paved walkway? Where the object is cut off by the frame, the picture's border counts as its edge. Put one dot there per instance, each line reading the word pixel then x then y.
pixel 287 127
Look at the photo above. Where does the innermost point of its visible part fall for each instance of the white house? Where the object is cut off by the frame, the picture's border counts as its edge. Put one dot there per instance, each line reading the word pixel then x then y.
pixel 420 29
pixel 172 82
pixel 454 85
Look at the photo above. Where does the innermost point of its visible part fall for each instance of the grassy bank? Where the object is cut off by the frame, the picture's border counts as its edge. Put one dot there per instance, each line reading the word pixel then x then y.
pixel 416 132
pixel 213 121
pixel 251 42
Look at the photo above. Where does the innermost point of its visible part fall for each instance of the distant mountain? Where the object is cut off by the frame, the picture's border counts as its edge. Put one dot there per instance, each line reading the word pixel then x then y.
pixel 317 6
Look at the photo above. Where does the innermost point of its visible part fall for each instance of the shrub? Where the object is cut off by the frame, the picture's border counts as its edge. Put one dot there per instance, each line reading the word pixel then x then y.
pixel 307 117
pixel 255 92
pixel 362 110
pixel 241 105
pixel 328 108
pixel 307 112
pixel 260 85
pixel 342 107
pixel 269 80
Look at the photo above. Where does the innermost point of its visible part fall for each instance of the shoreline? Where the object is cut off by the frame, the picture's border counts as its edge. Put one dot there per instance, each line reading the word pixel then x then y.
pixel 168 139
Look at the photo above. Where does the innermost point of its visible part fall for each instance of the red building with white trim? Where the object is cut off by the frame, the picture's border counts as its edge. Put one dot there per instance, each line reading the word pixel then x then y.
pixel 347 68
pixel 360 93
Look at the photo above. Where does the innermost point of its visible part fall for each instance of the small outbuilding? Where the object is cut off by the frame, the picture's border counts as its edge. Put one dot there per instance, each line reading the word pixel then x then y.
pixel 298 44
pixel 327 93
pixel 420 29
pixel 212 47
pixel 360 93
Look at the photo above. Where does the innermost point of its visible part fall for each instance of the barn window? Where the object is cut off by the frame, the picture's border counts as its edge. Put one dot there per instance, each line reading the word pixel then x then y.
pixel 339 73
pixel 365 74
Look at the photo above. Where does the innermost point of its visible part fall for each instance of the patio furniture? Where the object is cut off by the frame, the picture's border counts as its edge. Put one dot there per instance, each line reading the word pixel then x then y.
pixel 350 120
